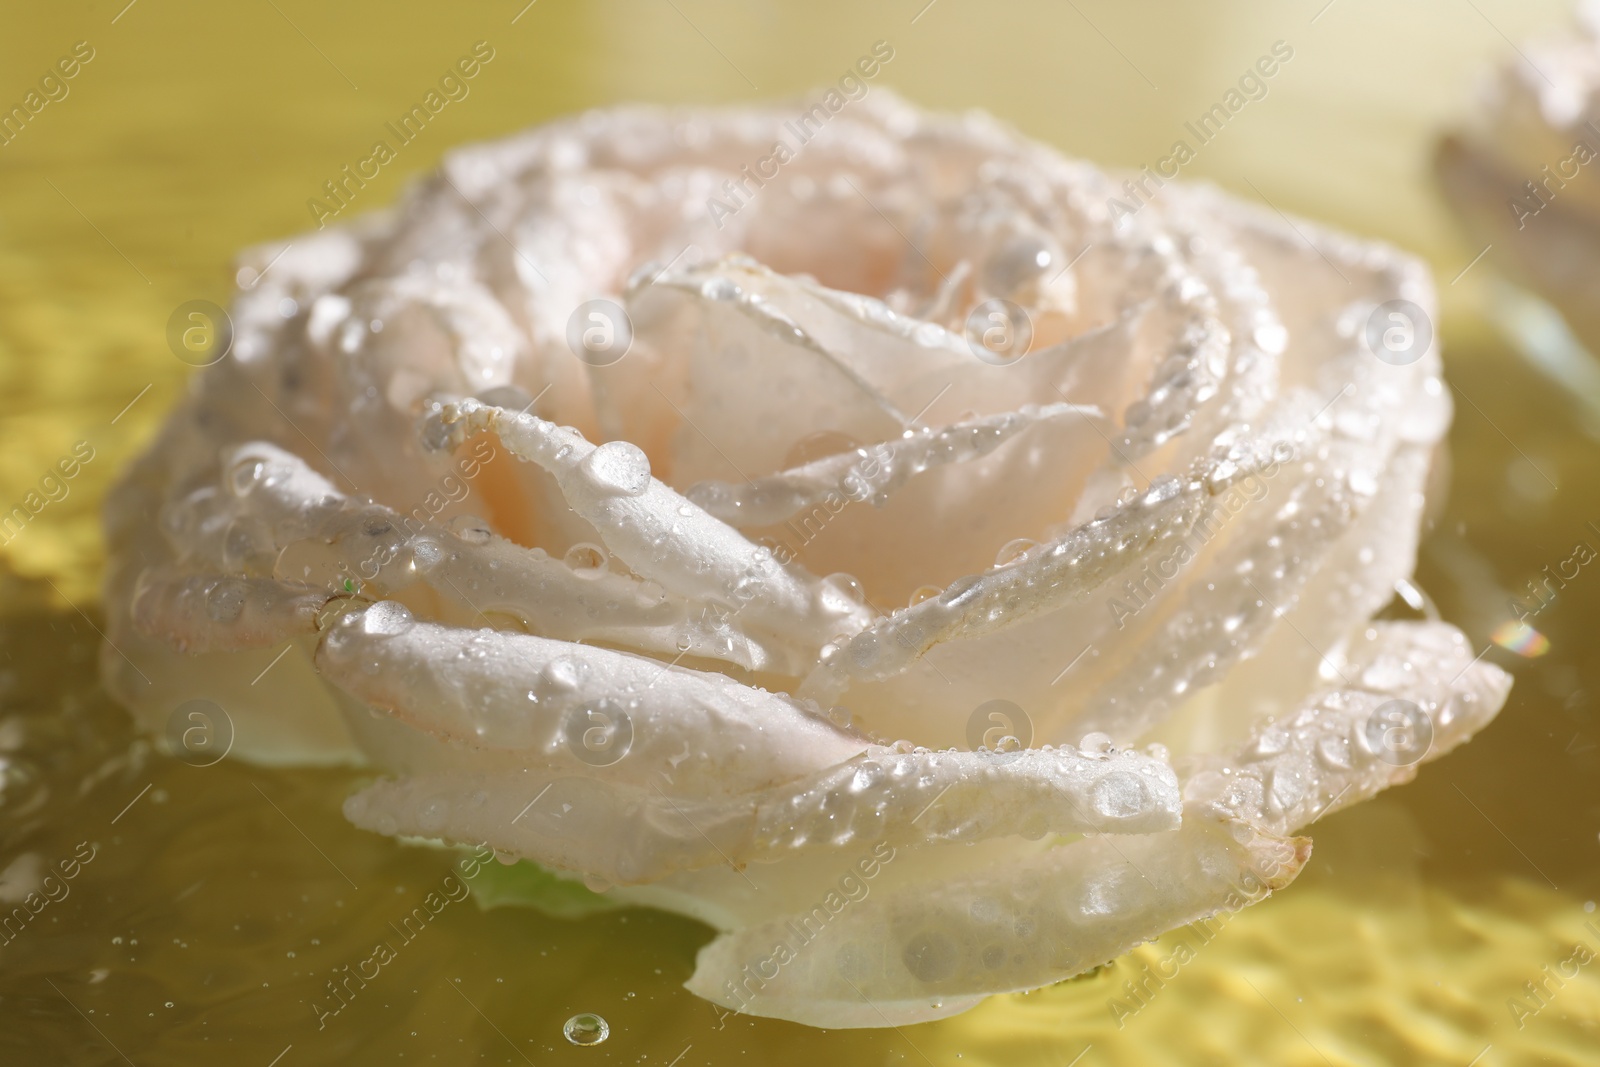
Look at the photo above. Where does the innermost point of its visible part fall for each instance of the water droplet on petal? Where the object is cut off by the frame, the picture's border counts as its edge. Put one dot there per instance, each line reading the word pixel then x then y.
pixel 1097 744
pixel 434 434
pixel 1012 551
pixel 426 554
pixel 617 468
pixel 1271 338
pixel 842 593
pixel 1162 489
pixel 561 673
pixel 387 618
pixel 246 475
pixel 1119 795
pixel 1334 752
pixel 1362 482
pixel 1020 260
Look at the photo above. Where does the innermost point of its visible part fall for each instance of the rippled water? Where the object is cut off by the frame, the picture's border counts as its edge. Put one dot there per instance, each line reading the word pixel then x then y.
pixel 210 905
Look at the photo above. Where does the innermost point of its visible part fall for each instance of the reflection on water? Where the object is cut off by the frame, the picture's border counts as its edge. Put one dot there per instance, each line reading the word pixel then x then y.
pixel 209 908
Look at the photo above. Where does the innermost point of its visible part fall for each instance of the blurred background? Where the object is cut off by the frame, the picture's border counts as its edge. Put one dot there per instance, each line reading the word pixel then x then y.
pixel 219 899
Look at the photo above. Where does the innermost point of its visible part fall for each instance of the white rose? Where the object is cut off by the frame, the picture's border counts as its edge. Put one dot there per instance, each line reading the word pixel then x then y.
pixel 1108 640
pixel 1521 177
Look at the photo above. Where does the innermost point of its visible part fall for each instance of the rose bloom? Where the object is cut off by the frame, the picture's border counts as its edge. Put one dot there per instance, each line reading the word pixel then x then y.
pixel 932 563
pixel 1521 178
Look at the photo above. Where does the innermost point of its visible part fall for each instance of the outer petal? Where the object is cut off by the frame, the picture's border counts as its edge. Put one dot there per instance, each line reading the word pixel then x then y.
pixel 893 958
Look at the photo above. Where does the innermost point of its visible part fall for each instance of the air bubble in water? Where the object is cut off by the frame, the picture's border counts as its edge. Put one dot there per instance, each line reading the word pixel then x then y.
pixel 586 1029
pixel 586 559
pixel 471 529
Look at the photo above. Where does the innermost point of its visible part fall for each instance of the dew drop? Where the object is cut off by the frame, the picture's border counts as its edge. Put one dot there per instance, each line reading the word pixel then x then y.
pixel 1283 790
pixel 617 468
pixel 1334 752
pixel 1012 551
pixel 1362 482
pixel 842 593
pixel 426 554
pixel 867 776
pixel 1020 260
pixel 434 433
pixel 561 674
pixel 1272 338
pixel 1097 744
pixel 1119 795
pixel 1164 488
pixel 961 592
pixel 387 618
pixel 246 475
pixel 923 592
pixel 721 289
